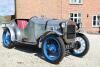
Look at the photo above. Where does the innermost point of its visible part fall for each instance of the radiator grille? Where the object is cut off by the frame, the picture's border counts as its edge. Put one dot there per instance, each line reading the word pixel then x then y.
pixel 71 31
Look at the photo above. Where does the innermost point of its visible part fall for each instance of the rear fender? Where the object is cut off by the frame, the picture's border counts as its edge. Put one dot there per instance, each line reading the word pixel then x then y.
pixel 18 34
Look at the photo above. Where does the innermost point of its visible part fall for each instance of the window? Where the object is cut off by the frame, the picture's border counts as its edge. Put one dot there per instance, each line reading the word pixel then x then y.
pixel 76 1
pixel 76 17
pixel 96 21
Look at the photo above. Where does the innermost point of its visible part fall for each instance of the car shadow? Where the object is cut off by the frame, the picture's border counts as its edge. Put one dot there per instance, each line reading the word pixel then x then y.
pixel 30 49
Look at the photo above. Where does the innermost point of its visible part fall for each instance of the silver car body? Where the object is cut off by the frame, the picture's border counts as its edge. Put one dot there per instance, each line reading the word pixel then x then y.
pixel 38 27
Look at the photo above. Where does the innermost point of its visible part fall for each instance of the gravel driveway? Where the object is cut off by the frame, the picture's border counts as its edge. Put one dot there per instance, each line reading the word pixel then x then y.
pixel 29 56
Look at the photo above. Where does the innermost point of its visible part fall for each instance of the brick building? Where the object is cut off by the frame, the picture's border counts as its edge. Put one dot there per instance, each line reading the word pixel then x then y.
pixel 85 12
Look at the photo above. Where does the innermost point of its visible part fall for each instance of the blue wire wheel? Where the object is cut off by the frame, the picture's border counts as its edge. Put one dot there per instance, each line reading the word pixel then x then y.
pixel 7 38
pixel 53 49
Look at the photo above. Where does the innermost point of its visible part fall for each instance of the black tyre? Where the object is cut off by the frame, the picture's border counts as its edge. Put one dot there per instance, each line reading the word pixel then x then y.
pixel 6 37
pixel 53 49
pixel 81 46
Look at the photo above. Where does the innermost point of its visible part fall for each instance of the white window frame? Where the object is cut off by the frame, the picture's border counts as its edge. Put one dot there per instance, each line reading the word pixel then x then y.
pixel 76 1
pixel 95 21
pixel 76 17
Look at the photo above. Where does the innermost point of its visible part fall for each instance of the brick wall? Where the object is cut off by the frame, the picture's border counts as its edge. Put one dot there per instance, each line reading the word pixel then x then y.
pixel 59 9
pixel 47 8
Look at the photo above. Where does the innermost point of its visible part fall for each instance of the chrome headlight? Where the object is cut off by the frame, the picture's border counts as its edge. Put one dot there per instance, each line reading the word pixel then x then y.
pixel 63 25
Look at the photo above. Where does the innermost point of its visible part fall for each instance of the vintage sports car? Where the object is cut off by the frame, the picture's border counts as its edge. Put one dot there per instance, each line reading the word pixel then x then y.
pixel 55 37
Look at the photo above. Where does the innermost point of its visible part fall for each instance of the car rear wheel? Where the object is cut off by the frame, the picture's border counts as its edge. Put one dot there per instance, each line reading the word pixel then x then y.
pixel 53 49
pixel 7 39
pixel 81 46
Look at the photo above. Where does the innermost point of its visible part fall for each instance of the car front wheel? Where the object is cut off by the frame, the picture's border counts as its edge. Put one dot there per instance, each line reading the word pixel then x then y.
pixel 81 45
pixel 53 49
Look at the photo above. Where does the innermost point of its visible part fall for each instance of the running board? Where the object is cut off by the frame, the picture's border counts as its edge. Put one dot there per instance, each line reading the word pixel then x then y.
pixel 28 43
